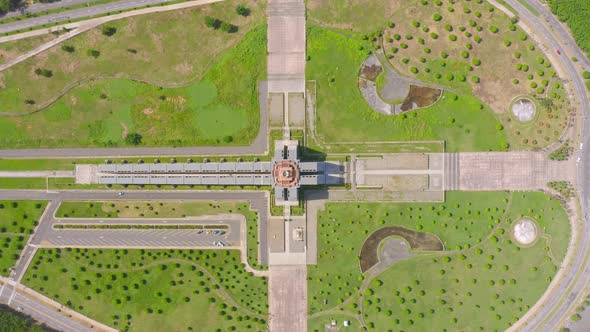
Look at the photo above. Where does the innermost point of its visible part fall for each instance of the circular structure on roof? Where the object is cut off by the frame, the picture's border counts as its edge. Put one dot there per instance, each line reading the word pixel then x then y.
pixel 525 231
pixel 524 109
pixel 286 173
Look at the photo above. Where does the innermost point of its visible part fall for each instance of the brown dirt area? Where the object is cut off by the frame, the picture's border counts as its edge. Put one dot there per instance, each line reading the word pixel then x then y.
pixel 421 96
pixel 419 241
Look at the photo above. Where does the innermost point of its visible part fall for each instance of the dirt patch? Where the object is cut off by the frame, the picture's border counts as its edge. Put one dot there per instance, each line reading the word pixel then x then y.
pixel 184 68
pixel 148 111
pixel 418 241
pixel 157 40
pixel 371 68
pixel 419 97
pixel 73 100
pixel 125 130
pixel 2 84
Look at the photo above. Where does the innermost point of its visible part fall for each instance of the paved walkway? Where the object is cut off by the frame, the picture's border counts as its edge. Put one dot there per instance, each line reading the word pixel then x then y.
pixel 286 45
pixel 287 292
pixel 504 171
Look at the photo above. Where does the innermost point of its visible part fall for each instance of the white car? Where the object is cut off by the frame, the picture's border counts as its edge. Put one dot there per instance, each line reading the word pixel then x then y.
pixel 120 193
pixel 581 146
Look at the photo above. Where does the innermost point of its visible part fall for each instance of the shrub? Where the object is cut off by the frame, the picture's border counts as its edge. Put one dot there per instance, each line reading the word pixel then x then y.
pixel 416 24
pixel 242 11
pixel 414 70
pixel 474 79
pixel 68 48
pixel 43 72
pixel 133 139
pixel 477 39
pixel 437 17
pixel 403 45
pixel 533 85
pixel 421 41
pixel 443 55
pixel 449 27
pixel 476 62
pixel 511 27
pixel 515 81
pixel 397 36
pixel 468 34
pixel 229 28
pixel 450 9
pixel 507 42
pixel 405 60
pixel 466 10
pixel 390 24
pixel 433 35
pixel 472 23
pixel 453 37
pixel 450 77
pixel 465 54
pixel 409 37
pixel 517 55
pixel 531 47
pixel 586 75
pixel 108 31
pixel 493 29
pixel 211 22
pixel 93 53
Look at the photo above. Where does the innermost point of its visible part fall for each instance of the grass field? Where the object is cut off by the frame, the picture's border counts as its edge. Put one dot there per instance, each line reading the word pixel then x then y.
pixel 466 222
pixel 343 115
pixel 220 107
pixel 17 221
pixel 575 14
pixel 154 290
pixel 166 209
pixel 10 50
pixel 452 44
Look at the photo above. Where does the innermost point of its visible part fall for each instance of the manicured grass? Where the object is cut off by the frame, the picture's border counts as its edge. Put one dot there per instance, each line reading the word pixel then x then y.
pixel 343 115
pixel 166 209
pixel 154 290
pixel 575 14
pixel 23 183
pixel 17 221
pixel 466 222
pixel 221 109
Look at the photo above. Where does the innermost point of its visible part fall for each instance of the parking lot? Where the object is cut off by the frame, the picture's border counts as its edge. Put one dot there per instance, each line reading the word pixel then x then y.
pixel 223 232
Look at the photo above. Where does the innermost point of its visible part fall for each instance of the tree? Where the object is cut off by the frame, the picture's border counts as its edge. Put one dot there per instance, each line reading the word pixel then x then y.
pixel 133 139
pixel 43 72
pixel 211 22
pixel 68 48
pixel 227 27
pixel 108 30
pixel 93 53
pixel 242 11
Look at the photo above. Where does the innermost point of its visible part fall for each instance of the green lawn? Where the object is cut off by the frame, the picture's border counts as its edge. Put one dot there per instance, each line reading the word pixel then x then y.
pixel 465 223
pixel 166 209
pixel 224 104
pixel 154 290
pixel 17 221
pixel 575 14
pixel 343 115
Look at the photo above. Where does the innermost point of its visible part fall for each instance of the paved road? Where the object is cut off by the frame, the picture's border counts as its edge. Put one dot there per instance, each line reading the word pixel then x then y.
pixel 549 316
pixel 76 14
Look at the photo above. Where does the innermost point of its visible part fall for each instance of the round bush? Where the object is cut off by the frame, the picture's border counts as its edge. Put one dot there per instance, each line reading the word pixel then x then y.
pixel 416 24
pixel 433 35
pixel 414 70
pixel 476 62
pixel 448 27
pixel 437 17
pixel 453 37
pixel 507 42
pixel 465 54
pixel 494 29
pixel 474 79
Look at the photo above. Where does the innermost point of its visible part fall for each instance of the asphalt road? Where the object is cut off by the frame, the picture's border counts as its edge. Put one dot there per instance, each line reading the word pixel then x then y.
pixel 550 315
pixel 78 13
